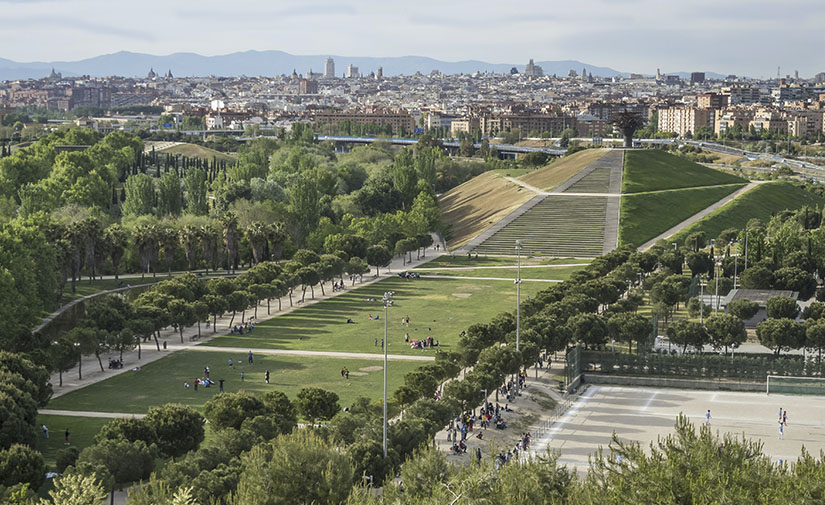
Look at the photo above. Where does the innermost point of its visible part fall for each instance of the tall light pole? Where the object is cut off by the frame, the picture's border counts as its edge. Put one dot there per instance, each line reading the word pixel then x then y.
pixel 735 265
pixel 746 248
pixel 702 298
pixel 518 294
pixel 387 304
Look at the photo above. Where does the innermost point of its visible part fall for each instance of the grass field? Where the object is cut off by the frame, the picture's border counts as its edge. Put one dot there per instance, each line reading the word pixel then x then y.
pixel 654 170
pixel 472 207
pixel 513 172
pixel 495 261
pixel 162 381
pixel 562 169
pixel 82 431
pixel 548 273
pixel 761 203
pixel 440 308
pixel 646 215
pixel 196 151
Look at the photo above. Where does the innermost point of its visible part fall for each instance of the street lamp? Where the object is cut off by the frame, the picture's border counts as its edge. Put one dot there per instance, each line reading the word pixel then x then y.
pixel 702 278
pixel 518 293
pixel 387 304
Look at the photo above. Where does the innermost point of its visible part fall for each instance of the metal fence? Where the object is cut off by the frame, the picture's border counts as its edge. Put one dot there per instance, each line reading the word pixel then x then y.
pixel 559 410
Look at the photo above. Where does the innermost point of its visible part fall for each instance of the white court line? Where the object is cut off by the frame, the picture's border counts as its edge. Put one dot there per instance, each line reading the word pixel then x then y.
pixel 650 400
pixel 745 394
pixel 546 438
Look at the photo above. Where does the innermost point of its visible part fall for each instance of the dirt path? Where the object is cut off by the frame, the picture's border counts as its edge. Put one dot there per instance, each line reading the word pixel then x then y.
pixel 88 413
pixel 700 215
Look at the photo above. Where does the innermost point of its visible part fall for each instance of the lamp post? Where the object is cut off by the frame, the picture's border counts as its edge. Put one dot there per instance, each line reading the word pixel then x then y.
pixel 387 304
pixel 518 294
pixel 746 248
pixel 735 265
pixel 702 298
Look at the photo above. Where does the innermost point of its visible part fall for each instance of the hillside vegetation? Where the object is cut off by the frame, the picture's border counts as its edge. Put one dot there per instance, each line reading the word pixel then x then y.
pixel 196 151
pixel 760 203
pixel 552 175
pixel 470 208
pixel 646 215
pixel 655 170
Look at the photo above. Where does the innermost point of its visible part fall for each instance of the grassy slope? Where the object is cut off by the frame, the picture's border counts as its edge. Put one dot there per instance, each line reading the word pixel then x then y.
pixel 441 308
pixel 646 215
pixel 548 273
pixel 196 151
pixel 654 170
pixel 162 381
pixel 761 203
pixel 562 169
pixel 470 208
pixel 495 261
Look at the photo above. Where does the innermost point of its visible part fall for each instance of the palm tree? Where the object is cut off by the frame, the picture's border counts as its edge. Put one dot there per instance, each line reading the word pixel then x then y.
pixel 277 237
pixel 210 236
pixel 116 240
pixel 92 235
pixel 146 242
pixel 230 239
pixel 76 236
pixel 257 235
pixel 168 238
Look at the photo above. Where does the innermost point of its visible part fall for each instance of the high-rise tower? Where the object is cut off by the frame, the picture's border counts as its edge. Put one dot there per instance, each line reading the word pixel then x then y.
pixel 329 68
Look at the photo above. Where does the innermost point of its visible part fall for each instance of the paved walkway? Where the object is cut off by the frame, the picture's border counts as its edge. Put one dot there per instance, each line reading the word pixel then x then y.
pixel 700 215
pixel 500 267
pixel 298 352
pixel 88 413
pixel 150 353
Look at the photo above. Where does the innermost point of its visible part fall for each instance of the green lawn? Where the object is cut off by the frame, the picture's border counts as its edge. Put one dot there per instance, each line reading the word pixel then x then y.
pixel 162 381
pixel 654 170
pixel 82 431
pixel 440 308
pixel 549 272
pixel 513 172
pixel 761 202
pixel 646 215
pixel 495 261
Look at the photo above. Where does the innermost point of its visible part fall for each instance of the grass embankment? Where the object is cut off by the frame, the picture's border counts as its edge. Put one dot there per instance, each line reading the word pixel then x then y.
pixel 196 151
pixel 472 207
pixel 655 170
pixel 82 431
pixel 550 176
pixel 761 203
pixel 86 288
pixel 646 215
pixel 440 308
pixel 162 381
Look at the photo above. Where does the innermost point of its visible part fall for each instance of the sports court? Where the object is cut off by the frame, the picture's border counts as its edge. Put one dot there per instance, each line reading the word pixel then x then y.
pixel 643 414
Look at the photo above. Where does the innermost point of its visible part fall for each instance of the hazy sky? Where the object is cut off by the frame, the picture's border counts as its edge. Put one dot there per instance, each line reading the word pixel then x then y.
pixel 749 37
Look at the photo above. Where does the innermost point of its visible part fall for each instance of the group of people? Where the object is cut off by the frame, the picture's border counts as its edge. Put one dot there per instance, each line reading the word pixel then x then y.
pixel 488 415
pixel 509 391
pixel 345 372
pixel 409 275
pixel 115 363
pixel 420 344
pixel 338 286
pixel 246 327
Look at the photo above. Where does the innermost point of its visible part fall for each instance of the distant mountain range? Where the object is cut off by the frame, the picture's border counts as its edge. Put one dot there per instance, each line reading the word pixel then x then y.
pixel 256 63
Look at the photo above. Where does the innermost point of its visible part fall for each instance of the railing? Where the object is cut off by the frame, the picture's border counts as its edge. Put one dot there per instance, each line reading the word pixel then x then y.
pixel 559 411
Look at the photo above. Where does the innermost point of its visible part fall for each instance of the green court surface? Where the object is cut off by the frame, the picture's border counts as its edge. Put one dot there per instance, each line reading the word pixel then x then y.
pixel 441 308
pixel 162 381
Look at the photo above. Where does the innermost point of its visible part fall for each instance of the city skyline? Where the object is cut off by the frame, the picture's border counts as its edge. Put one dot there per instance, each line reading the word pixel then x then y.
pixel 628 35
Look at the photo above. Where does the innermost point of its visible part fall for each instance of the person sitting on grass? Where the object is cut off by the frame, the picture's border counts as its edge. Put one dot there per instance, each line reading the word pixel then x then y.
pixel 350 321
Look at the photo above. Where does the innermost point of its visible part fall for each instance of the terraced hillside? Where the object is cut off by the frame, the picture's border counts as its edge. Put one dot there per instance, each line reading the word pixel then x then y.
pixel 600 176
pixel 556 226
pixel 470 208
pixel 552 175
pixel 656 170
pixel 761 203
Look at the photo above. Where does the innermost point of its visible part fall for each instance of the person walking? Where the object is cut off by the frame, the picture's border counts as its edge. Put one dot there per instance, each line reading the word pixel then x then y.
pixel 197 381
pixel 45 431
pixel 707 418
pixel 266 377
pixel 249 357
pixel 66 439
pixel 220 385
pixel 781 431
pixel 241 376
pixel 780 414
pixel 785 418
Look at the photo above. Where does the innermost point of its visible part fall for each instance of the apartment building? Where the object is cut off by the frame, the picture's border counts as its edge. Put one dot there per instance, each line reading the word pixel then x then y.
pixel 400 122
pixel 684 121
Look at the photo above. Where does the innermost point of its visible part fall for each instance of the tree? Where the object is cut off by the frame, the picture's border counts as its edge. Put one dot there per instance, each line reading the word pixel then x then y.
pixel 63 356
pixel 77 489
pixel 815 336
pixel 299 467
pixel 316 403
pixel 378 256
pixel 779 307
pixel 229 410
pixel 687 333
pixel 743 309
pixel 170 195
pixel 231 239
pixel 756 277
pixel 128 428
pixel 725 331
pixel 589 329
pixel 628 327
pixel 21 464
pixel 123 460
pixel 795 279
pixel 140 196
pixel 281 411
pixel 699 262
pixel 179 429
pixel 305 208
pixel 196 192
pixel 780 334
pixel 116 240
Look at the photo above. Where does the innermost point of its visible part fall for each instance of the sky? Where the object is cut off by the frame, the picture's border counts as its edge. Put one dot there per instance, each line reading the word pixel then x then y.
pixel 743 37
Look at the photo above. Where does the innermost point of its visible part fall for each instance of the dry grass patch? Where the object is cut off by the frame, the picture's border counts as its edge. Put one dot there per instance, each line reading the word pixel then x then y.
pixel 472 207
pixel 559 171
